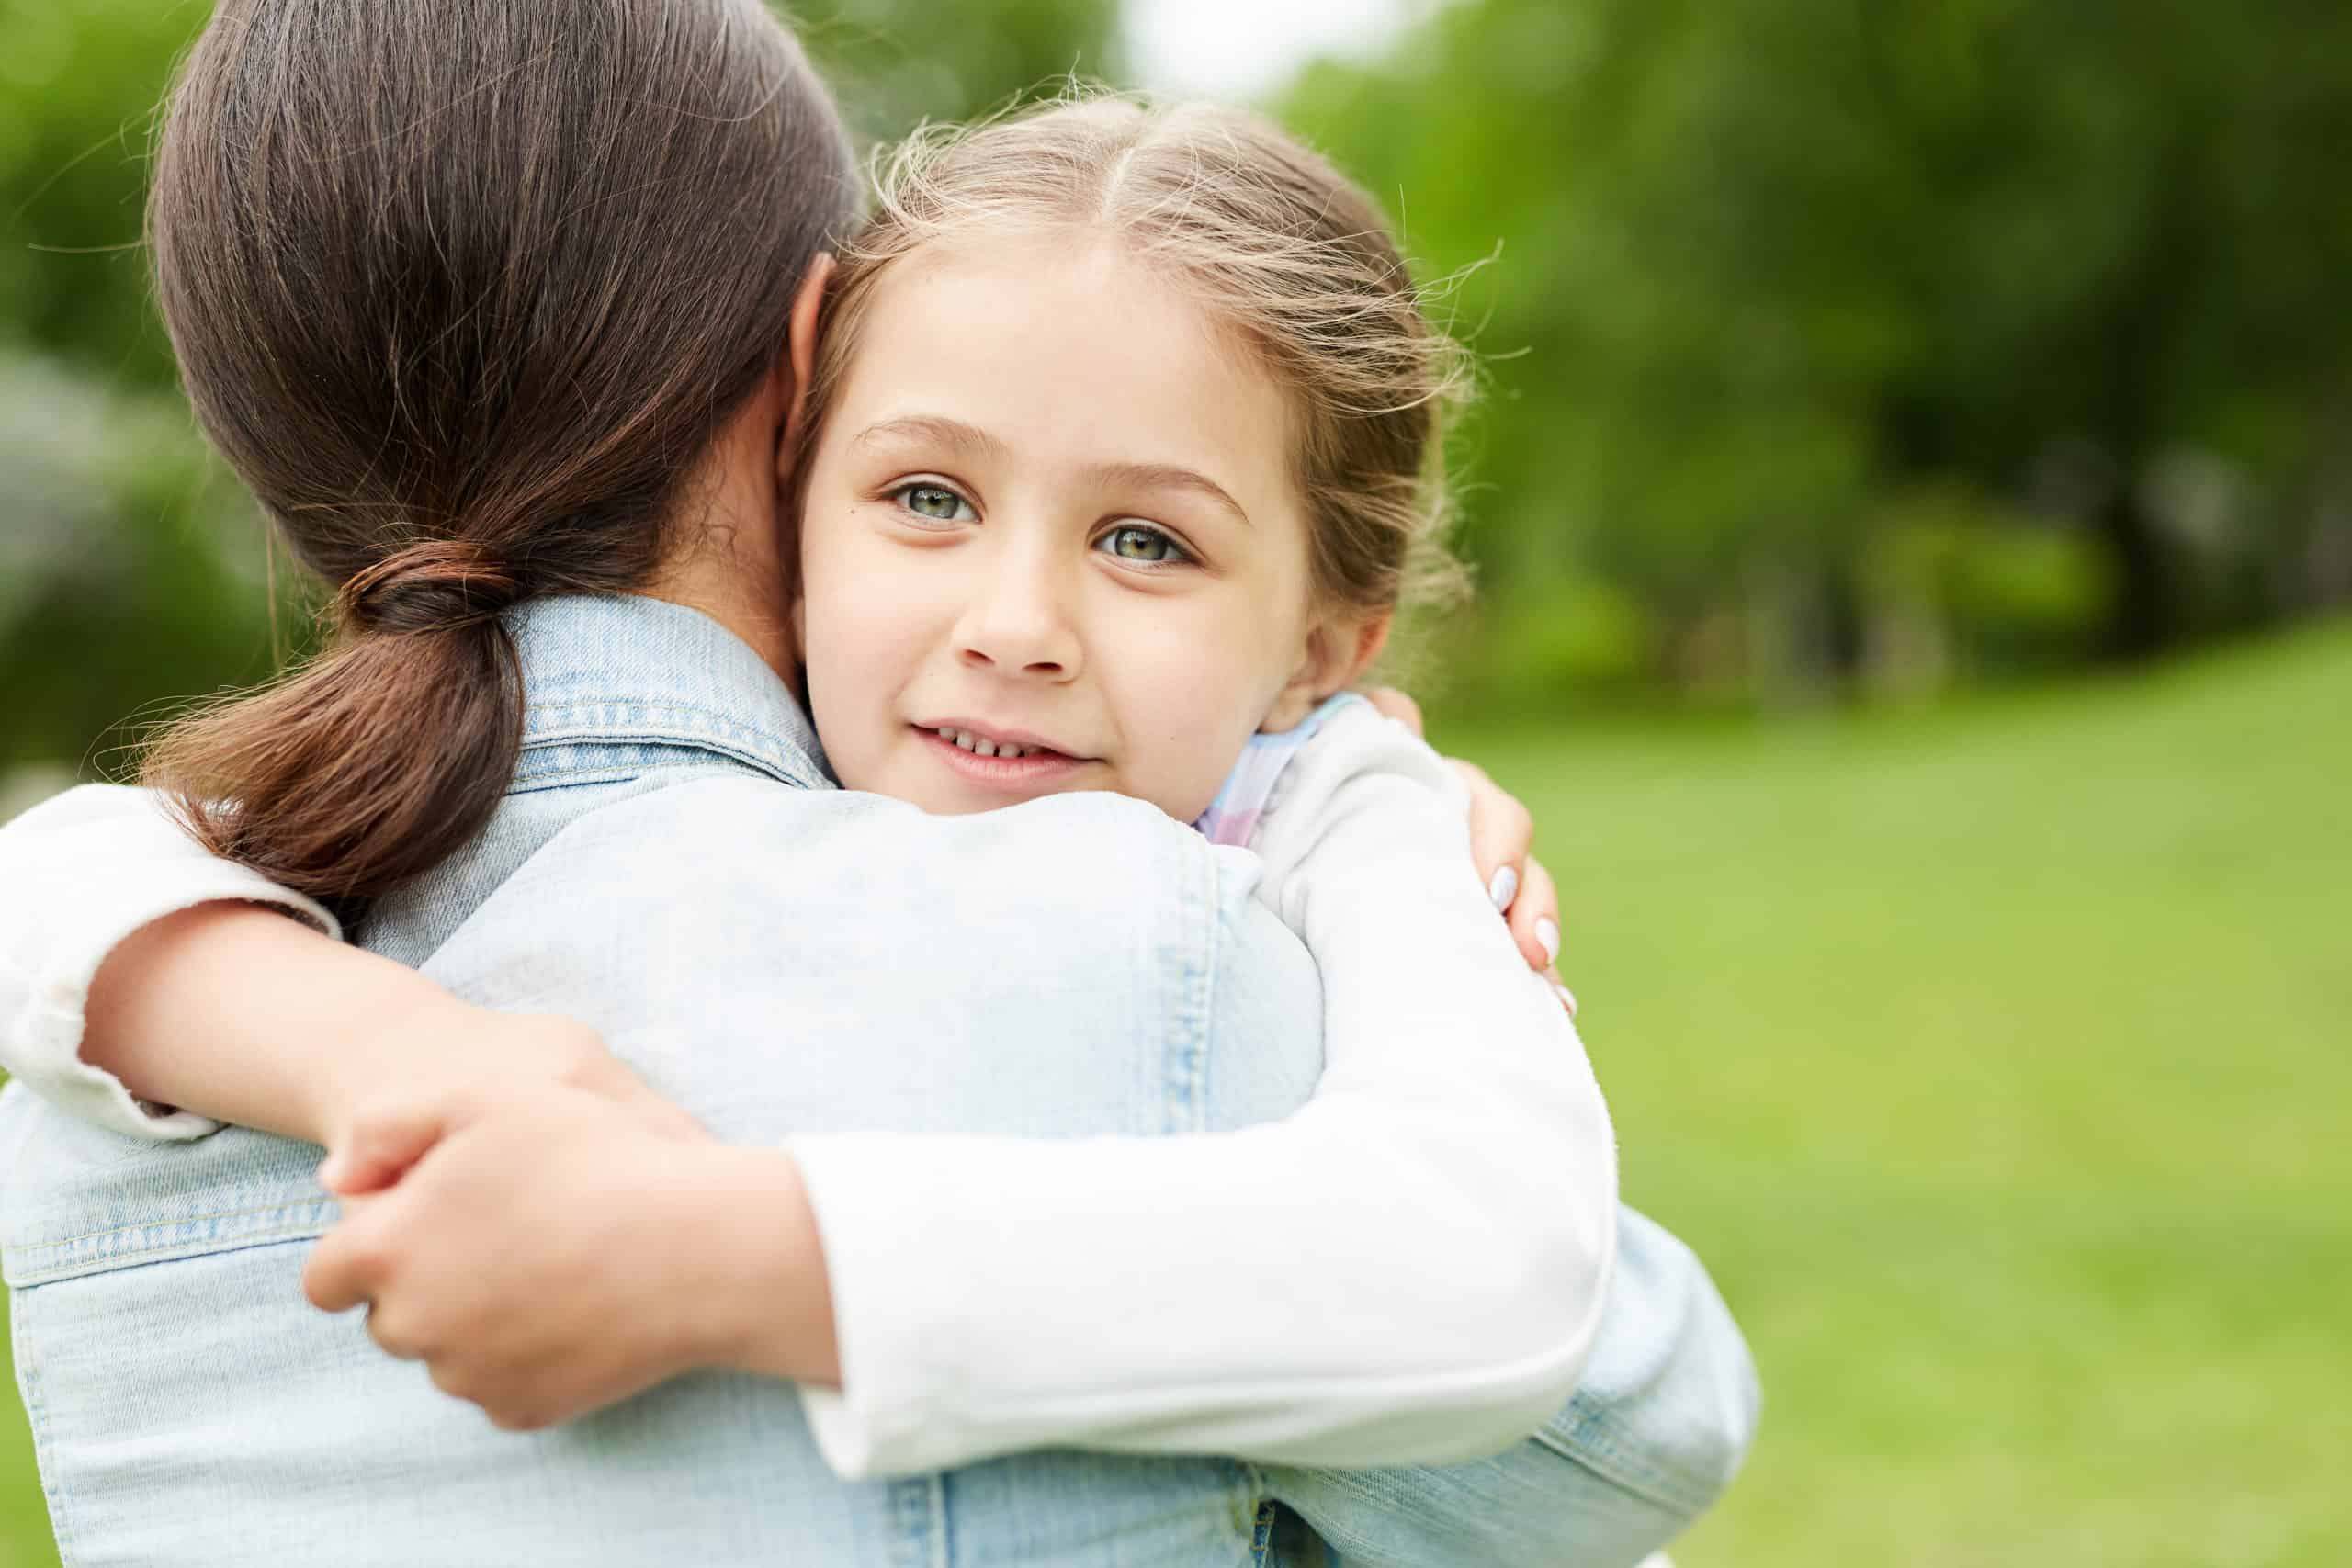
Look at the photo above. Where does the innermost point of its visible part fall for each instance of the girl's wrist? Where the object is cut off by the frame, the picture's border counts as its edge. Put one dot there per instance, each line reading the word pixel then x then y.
pixel 415 1037
pixel 754 1268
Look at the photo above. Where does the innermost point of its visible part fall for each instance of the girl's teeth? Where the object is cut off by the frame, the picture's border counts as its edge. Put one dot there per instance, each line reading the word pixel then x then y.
pixel 979 745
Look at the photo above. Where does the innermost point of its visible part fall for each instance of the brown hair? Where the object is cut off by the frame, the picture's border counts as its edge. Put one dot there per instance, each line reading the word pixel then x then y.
pixel 462 290
pixel 1272 240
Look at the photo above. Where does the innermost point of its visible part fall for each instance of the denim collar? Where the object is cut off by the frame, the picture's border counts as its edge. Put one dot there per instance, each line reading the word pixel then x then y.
pixel 627 669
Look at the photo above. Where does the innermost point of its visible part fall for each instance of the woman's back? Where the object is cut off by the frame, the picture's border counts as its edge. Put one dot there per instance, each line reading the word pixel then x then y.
pixel 762 956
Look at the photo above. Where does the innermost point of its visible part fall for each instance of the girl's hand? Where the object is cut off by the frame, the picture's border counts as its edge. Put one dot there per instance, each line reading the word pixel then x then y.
pixel 1502 835
pixel 429 1074
pixel 556 1254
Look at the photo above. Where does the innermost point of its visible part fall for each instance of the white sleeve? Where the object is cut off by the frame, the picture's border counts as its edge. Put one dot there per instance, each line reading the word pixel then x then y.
pixel 1410 1269
pixel 78 874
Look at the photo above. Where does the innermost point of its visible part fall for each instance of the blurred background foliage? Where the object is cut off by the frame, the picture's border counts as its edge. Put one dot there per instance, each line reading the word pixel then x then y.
pixel 1870 348
pixel 1933 384
pixel 1833 352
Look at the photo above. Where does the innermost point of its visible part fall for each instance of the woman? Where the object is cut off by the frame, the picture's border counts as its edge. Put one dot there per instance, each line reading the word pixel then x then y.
pixel 461 405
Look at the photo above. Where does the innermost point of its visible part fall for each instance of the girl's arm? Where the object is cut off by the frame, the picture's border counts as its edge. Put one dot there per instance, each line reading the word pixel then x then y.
pixel 1439 1212
pixel 128 983
pixel 115 1005
pixel 87 874
pixel 1412 1265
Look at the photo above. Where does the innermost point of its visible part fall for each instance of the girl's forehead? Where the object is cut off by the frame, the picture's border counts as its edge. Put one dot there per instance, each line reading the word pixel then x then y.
pixel 1064 334
pixel 1036 273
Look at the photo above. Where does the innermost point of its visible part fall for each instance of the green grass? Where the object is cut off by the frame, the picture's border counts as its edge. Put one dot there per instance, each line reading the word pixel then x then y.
pixel 1996 1059
pixel 24 1518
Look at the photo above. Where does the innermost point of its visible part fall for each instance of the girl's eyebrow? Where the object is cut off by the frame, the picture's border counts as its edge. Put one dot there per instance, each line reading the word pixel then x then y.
pixel 1167 476
pixel 950 433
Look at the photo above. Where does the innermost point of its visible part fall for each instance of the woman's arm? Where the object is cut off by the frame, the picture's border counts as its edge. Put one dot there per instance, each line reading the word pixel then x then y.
pixel 1657 1428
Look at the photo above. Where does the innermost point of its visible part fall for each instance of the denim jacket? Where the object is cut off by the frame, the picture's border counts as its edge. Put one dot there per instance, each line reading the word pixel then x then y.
pixel 190 1407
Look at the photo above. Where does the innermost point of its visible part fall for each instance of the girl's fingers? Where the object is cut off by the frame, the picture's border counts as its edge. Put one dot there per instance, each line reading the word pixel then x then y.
pixel 381 1145
pixel 1568 998
pixel 661 1113
pixel 348 1265
pixel 1501 832
pixel 1536 917
pixel 1396 705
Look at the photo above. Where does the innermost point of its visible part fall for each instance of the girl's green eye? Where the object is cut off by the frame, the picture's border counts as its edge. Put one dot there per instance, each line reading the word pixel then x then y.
pixel 936 503
pixel 1146 546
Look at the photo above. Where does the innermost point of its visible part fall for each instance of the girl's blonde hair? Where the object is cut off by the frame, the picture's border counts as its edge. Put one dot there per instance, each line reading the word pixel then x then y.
pixel 1271 241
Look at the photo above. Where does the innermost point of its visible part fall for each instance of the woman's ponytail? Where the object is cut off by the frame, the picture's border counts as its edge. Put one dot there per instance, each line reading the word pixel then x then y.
pixel 378 759
pixel 462 289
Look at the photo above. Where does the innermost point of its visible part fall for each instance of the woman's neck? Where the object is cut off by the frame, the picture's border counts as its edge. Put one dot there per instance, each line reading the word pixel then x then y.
pixel 731 563
pixel 720 584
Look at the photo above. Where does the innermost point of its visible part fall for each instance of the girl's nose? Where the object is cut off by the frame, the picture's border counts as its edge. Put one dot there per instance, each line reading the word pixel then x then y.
pixel 1018 625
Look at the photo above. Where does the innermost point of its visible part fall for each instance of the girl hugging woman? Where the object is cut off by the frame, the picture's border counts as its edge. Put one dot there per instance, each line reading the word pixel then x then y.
pixel 971 1102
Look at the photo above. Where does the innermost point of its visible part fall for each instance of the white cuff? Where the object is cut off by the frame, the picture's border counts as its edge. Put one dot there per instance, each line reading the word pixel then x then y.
pixel 878 1422
pixel 84 872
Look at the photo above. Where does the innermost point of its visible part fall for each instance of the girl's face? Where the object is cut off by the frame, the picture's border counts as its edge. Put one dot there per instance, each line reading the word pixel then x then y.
pixel 1051 540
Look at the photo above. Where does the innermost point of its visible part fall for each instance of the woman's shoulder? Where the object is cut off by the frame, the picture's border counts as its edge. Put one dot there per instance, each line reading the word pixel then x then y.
pixel 745 846
pixel 737 892
pixel 751 817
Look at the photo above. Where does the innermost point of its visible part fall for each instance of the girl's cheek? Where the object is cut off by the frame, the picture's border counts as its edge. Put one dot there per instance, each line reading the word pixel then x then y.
pixel 1212 729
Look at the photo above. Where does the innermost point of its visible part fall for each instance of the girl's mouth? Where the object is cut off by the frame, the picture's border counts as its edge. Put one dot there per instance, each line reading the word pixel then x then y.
pixel 1000 764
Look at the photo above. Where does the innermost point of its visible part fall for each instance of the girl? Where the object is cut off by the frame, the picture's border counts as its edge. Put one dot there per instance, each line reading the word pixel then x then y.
pixel 1008 528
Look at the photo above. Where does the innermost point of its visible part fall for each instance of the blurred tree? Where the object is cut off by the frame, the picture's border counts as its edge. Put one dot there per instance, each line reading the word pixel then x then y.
pixel 1774 265
pixel 896 62
pixel 132 568
pixel 129 568
pixel 78 83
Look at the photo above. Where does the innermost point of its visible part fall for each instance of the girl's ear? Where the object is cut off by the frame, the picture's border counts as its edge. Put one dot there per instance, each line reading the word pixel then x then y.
pixel 1340 649
pixel 800 356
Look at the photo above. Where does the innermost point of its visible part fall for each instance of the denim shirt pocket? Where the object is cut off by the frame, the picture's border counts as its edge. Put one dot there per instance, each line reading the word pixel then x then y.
pixel 77 1199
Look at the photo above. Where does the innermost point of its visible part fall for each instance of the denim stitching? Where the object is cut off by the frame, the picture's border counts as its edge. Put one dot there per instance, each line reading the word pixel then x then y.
pixel 939 1521
pixel 61 1505
pixel 193 1247
pixel 1186 1071
pixel 618 770
pixel 46 1263
pixel 1261 1536
pixel 184 1220
pixel 910 1521
pixel 1595 1447
pixel 610 719
pixel 524 777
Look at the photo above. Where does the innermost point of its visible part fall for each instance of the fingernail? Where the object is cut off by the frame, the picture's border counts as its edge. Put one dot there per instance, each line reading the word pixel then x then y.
pixel 1504 887
pixel 1547 932
pixel 1568 1000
